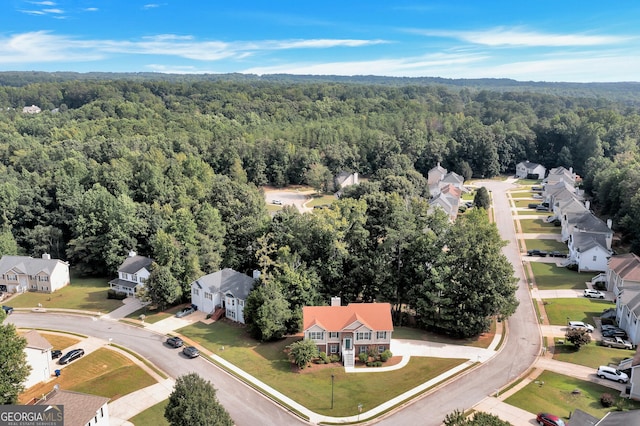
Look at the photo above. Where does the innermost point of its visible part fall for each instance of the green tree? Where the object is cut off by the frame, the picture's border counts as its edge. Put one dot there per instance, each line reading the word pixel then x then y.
pixel 14 369
pixel 578 336
pixel 194 402
pixel 267 312
pixel 302 352
pixel 457 418
pixel 162 287
pixel 318 177
pixel 8 244
pixel 482 198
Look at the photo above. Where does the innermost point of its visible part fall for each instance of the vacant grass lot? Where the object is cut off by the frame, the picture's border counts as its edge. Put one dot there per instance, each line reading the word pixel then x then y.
pixel 592 355
pixel 152 416
pixel 547 245
pixel 103 372
pixel 576 309
pixel 321 200
pixel 312 388
pixel 557 396
pixel 87 294
pixel 152 314
pixel 548 276
pixel 482 341
pixel 538 226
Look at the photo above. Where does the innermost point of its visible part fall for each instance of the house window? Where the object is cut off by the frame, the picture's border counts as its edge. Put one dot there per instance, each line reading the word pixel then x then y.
pixel 363 335
pixel 362 350
pixel 135 278
pixel 381 334
pixel 207 296
pixel 197 292
pixel 333 349
pixel 125 276
pixel 333 335
pixel 143 280
pixel 595 258
pixel 12 277
pixel 316 335
pixel 241 303
pixel 381 349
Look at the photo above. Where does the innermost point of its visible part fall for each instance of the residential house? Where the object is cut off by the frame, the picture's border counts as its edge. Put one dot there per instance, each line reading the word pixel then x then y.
pixel 38 352
pixel 224 291
pixel 560 174
pixel 21 273
pixel 612 418
pixel 344 179
pixel 623 272
pixel 435 175
pixel 132 274
pixel 589 251
pixel 628 312
pixel 623 279
pixel 529 170
pixel 447 199
pixel 31 109
pixel 80 409
pixel 348 330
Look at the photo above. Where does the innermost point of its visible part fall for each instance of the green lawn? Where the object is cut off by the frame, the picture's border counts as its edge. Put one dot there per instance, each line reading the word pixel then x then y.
pixel 554 393
pixel 312 388
pixel 317 200
pixel 576 309
pixel 153 315
pixel 547 245
pixel 89 294
pixel 538 226
pixel 525 203
pixel 151 416
pixel 591 355
pixel 482 341
pixel 548 276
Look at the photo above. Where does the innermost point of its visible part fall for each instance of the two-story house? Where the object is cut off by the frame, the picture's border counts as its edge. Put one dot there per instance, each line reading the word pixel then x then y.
pixel 529 170
pixel 24 273
pixel 222 292
pixel 38 352
pixel 132 274
pixel 348 330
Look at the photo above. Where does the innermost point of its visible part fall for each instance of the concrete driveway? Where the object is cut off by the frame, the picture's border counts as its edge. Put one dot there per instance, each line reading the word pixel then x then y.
pixel 289 197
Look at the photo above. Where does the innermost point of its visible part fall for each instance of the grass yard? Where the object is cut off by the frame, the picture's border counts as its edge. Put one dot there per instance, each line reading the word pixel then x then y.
pixel 87 294
pixel 103 372
pixel 312 388
pixel 153 315
pixel 547 245
pixel 548 276
pixel 557 396
pixel 538 226
pixel 591 355
pixel 152 416
pixel 317 200
pixel 525 204
pixel 482 341
pixel 576 309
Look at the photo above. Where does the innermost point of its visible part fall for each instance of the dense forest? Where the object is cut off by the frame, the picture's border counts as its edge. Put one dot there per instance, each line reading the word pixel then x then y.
pixel 173 168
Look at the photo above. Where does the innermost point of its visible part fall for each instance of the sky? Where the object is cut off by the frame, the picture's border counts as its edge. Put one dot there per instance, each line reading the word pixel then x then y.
pixel 526 40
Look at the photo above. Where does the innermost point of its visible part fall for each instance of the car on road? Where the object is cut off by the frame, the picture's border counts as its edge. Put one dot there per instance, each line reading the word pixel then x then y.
pixel 175 342
pixel 611 373
pixel 595 294
pixel 72 355
pixel 536 252
pixel 546 419
pixel 616 342
pixel 277 202
pixel 56 353
pixel 7 309
pixel 186 311
pixel 191 351
pixel 582 325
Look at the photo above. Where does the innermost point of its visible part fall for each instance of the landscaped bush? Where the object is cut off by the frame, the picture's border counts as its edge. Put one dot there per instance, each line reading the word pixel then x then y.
pixel 324 358
pixel 384 356
pixel 335 358
pixel 374 364
pixel 607 400
pixel 363 357
pixel 118 295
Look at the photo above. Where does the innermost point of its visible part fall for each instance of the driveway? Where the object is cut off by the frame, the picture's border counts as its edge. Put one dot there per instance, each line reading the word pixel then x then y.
pixel 289 198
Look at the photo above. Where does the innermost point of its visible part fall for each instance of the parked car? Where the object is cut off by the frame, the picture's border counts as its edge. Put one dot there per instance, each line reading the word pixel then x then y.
pixel 557 253
pixel 56 353
pixel 616 342
pixel 580 324
pixel 546 419
pixel 611 373
pixel 614 333
pixel 278 202
pixel 610 327
pixel 191 351
pixel 542 208
pixel 536 188
pixel 7 309
pixel 175 342
pixel 536 252
pixel 72 355
pixel 533 205
pixel 595 294
pixel 537 196
pixel 186 311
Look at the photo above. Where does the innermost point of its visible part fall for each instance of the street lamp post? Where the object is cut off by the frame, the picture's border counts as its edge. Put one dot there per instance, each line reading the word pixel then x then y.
pixel 332 377
pixel 359 411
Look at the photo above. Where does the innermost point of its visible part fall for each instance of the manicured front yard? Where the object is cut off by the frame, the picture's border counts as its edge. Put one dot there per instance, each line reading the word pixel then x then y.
pixel 103 372
pixel 538 226
pixel 321 200
pixel 547 245
pixel 87 294
pixel 548 276
pixel 152 416
pixel 312 388
pixel 482 341
pixel 554 393
pixel 591 355
pixel 152 315
pixel 576 309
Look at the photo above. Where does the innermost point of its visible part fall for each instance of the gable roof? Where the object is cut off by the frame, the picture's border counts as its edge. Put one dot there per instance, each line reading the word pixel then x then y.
pixel 619 418
pixel 36 341
pixel 589 222
pixel 29 265
pixel 79 408
pixel 375 316
pixel 626 266
pixel 133 264
pixel 453 177
pixel 581 418
pixel 227 281
pixel 630 298
pixel 584 241
pixel 529 165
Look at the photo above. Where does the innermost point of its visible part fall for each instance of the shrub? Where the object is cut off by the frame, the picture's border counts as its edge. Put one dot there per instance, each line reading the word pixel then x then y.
pixel 384 356
pixel 118 295
pixel 372 351
pixel 607 400
pixel 324 358
pixel 363 357
pixel 335 358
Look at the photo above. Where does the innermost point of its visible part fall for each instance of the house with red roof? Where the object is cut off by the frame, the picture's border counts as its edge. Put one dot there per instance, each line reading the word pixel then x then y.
pixel 348 330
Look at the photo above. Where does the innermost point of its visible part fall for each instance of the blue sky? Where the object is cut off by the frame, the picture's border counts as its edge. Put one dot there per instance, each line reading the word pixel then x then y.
pixel 538 40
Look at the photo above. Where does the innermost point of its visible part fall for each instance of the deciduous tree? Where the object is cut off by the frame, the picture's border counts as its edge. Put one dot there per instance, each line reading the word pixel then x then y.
pixel 194 402
pixel 14 369
pixel 302 352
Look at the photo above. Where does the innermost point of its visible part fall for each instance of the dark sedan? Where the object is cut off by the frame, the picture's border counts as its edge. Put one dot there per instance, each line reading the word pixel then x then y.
pixel 71 356
pixel 175 342
pixel 191 351
pixel 56 353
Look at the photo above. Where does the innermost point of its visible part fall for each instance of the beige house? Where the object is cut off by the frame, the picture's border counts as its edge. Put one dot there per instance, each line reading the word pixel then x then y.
pixel 80 409
pixel 38 353
pixel 24 273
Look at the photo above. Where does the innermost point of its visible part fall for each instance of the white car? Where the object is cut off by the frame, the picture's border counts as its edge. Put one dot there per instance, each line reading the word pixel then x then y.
pixel 278 202
pixel 580 324
pixel 593 293
pixel 611 373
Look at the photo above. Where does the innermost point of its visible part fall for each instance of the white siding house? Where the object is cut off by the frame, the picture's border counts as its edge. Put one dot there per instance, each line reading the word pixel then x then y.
pixel 38 353
pixel 24 273
pixel 132 274
pixel 224 291
pixel 526 168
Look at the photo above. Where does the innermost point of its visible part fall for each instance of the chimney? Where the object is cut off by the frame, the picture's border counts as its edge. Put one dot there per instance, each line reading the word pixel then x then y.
pixel 609 223
pixel 256 274
pixel 335 301
pixel 132 253
pixel 46 256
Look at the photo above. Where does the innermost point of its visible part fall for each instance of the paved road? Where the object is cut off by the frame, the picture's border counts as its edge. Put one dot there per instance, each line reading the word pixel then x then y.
pixel 520 351
pixel 247 407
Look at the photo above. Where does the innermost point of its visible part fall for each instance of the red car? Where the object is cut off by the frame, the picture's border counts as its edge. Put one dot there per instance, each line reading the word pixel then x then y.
pixel 545 419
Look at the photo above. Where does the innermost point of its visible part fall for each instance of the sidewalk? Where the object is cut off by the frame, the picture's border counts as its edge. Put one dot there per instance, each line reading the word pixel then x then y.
pixel 130 305
pixel 134 403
